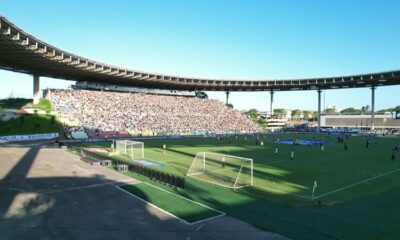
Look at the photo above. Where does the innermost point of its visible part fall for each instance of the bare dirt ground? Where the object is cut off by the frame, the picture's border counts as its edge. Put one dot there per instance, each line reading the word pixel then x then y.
pixel 48 193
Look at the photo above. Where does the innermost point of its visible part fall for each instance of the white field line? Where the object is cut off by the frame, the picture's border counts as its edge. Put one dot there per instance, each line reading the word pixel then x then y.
pixel 220 170
pixel 242 186
pixel 288 193
pixel 274 161
pixel 187 199
pixel 279 191
pixel 194 174
pixel 357 183
pixel 231 187
pixel 226 155
pixel 210 181
pixel 190 200
pixel 154 206
pixel 208 219
pixel 199 227
pixel 93 186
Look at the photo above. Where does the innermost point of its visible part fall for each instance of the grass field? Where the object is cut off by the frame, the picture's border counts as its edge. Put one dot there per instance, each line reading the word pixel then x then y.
pixel 359 188
pixel 179 207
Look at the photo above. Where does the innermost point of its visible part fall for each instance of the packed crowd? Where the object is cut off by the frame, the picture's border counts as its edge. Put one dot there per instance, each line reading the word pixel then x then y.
pixel 134 112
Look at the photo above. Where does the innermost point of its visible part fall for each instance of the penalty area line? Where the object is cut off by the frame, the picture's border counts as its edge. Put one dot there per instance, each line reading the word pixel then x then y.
pixel 110 182
pixel 221 214
pixel 187 199
pixel 356 183
pixel 288 193
pixel 274 161
pixel 152 205
pixel 218 184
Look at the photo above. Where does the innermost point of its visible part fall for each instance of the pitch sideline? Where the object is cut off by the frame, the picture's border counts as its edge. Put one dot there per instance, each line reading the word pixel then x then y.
pixel 356 183
pixel 171 214
pixel 334 191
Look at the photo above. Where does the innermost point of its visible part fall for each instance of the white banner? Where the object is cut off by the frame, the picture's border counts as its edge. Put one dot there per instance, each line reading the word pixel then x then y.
pixel 32 137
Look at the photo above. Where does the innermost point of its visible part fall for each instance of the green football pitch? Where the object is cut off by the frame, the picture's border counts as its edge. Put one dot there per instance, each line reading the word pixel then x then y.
pixel 355 195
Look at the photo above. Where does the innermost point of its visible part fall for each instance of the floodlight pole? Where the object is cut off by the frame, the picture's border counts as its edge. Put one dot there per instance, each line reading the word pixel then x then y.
pixel 271 109
pixel 319 110
pixel 372 107
pixel 36 89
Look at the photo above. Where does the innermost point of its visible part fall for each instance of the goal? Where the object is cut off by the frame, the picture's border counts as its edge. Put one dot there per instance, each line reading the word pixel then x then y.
pixel 221 169
pixel 132 149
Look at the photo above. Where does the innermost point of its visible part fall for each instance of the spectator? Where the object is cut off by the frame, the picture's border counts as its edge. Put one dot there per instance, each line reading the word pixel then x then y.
pixel 113 114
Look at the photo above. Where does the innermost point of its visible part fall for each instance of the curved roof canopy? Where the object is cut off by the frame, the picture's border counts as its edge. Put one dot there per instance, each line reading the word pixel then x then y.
pixel 22 52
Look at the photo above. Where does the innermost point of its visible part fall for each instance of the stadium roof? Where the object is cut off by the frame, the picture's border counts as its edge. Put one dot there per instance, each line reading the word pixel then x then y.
pixel 22 52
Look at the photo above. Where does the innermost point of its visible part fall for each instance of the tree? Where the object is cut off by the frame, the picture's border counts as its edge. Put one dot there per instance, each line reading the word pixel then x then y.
pixel 364 109
pixel 330 111
pixel 253 114
pixel 395 109
pixel 307 114
pixel 296 113
pixel 279 111
pixel 53 119
pixel 350 110
pixel 314 116
pixel 229 105
pixel 22 119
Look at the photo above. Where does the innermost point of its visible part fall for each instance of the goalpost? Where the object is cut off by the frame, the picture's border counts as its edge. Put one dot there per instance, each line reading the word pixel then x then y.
pixel 221 169
pixel 132 149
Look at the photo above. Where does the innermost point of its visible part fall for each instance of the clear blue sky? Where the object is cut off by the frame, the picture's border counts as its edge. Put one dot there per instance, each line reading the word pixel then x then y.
pixel 246 39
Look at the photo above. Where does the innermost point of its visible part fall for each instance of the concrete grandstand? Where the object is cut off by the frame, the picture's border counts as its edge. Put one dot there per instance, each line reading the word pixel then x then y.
pixel 22 52
pixel 382 121
pixel 129 154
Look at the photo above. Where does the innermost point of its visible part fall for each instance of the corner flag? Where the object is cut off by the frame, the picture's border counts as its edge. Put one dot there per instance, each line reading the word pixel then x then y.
pixel 314 187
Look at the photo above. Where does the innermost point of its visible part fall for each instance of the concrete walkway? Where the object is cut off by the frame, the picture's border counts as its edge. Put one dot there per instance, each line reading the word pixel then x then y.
pixel 48 193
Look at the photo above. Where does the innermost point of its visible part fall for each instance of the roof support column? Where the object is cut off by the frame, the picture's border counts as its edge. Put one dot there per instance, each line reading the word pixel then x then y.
pixel 372 107
pixel 271 109
pixel 36 89
pixel 319 110
pixel 227 97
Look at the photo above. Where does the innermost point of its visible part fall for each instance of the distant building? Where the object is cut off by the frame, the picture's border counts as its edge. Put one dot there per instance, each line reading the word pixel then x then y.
pixel 360 121
pixel 276 123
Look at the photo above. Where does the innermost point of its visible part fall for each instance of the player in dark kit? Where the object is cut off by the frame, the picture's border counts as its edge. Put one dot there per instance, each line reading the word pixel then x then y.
pixel 345 146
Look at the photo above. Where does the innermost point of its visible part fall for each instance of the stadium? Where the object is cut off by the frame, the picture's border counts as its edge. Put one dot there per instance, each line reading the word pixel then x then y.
pixel 129 154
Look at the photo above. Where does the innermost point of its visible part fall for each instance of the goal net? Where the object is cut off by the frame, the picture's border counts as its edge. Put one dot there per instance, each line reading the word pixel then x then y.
pixel 221 169
pixel 132 149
